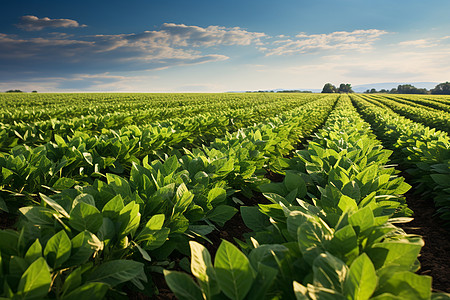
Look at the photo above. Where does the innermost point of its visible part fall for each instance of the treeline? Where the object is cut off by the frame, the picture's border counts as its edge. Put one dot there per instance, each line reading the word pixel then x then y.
pixel 343 88
pixel 18 91
pixel 440 89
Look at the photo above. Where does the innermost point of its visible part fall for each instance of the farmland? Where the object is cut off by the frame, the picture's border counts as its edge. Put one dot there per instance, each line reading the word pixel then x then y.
pixel 221 196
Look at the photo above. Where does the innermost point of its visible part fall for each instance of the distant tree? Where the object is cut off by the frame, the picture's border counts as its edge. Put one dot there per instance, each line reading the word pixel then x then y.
pixel 329 88
pixel 34 91
pixel 372 91
pixel 345 88
pixel 14 91
pixel 393 91
pixel 410 89
pixel 441 89
pixel 384 91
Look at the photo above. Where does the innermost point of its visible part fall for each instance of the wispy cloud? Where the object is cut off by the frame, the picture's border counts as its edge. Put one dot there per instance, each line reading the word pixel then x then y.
pixel 357 40
pixel 33 23
pixel 176 42
pixel 425 43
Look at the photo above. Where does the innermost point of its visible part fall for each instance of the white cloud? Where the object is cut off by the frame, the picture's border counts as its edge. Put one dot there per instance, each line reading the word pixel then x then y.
pixel 357 40
pixel 196 36
pixel 33 23
pixel 172 41
pixel 425 43
pixel 389 65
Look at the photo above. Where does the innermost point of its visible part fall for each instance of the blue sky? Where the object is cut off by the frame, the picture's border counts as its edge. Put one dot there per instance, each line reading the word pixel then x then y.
pixel 216 46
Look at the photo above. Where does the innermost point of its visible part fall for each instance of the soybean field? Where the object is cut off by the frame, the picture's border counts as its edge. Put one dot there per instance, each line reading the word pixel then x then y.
pixel 224 196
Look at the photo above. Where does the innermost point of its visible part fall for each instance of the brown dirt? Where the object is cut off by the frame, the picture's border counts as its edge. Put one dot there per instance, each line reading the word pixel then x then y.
pixel 435 255
pixel 274 177
pixel 7 221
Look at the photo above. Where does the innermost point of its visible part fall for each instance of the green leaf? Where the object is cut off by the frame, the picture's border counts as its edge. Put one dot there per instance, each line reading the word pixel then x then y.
pixel 34 252
pixel 115 272
pixel 58 249
pixel 253 218
pixel 296 219
pixel 113 207
pixel 183 286
pixel 90 290
pixel 59 140
pixel 222 214
pixel 347 204
pixel 263 282
pixel 38 215
pixel 129 219
pixel 183 200
pixel 406 285
pixel 64 183
pixel 216 196
pixel 329 272
pixel 351 189
pixel 73 280
pixel 312 240
pixel 85 217
pixel 84 245
pixel 344 244
pixel 153 235
pixel 84 198
pixel 233 270
pixel 8 242
pixel 441 179
pixel 294 181
pixel 35 282
pixel 362 220
pixel 156 222
pixel 53 204
pixel 171 164
pixel 401 252
pixel 202 269
pixel 362 279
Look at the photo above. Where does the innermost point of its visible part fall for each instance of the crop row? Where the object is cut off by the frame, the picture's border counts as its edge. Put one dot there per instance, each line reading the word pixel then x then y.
pixel 44 131
pixel 425 115
pixel 43 107
pixel 424 152
pixel 421 101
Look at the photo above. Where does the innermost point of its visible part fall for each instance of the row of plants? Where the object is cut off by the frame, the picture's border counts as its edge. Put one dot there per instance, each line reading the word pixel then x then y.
pixel 43 107
pixel 193 120
pixel 424 152
pixel 428 116
pixel 103 238
pixel 329 232
pixel 421 101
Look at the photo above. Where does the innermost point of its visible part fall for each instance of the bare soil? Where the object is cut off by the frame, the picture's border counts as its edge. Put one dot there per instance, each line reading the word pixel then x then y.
pixel 435 255
pixel 7 221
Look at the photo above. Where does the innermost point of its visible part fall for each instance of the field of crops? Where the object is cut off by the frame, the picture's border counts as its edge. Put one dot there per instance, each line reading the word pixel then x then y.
pixel 220 196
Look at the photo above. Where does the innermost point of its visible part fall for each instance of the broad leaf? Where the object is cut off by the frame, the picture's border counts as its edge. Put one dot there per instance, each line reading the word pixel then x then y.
pixel 233 270
pixel 58 249
pixel 35 282
pixel 182 285
pixel 115 272
pixel 361 280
